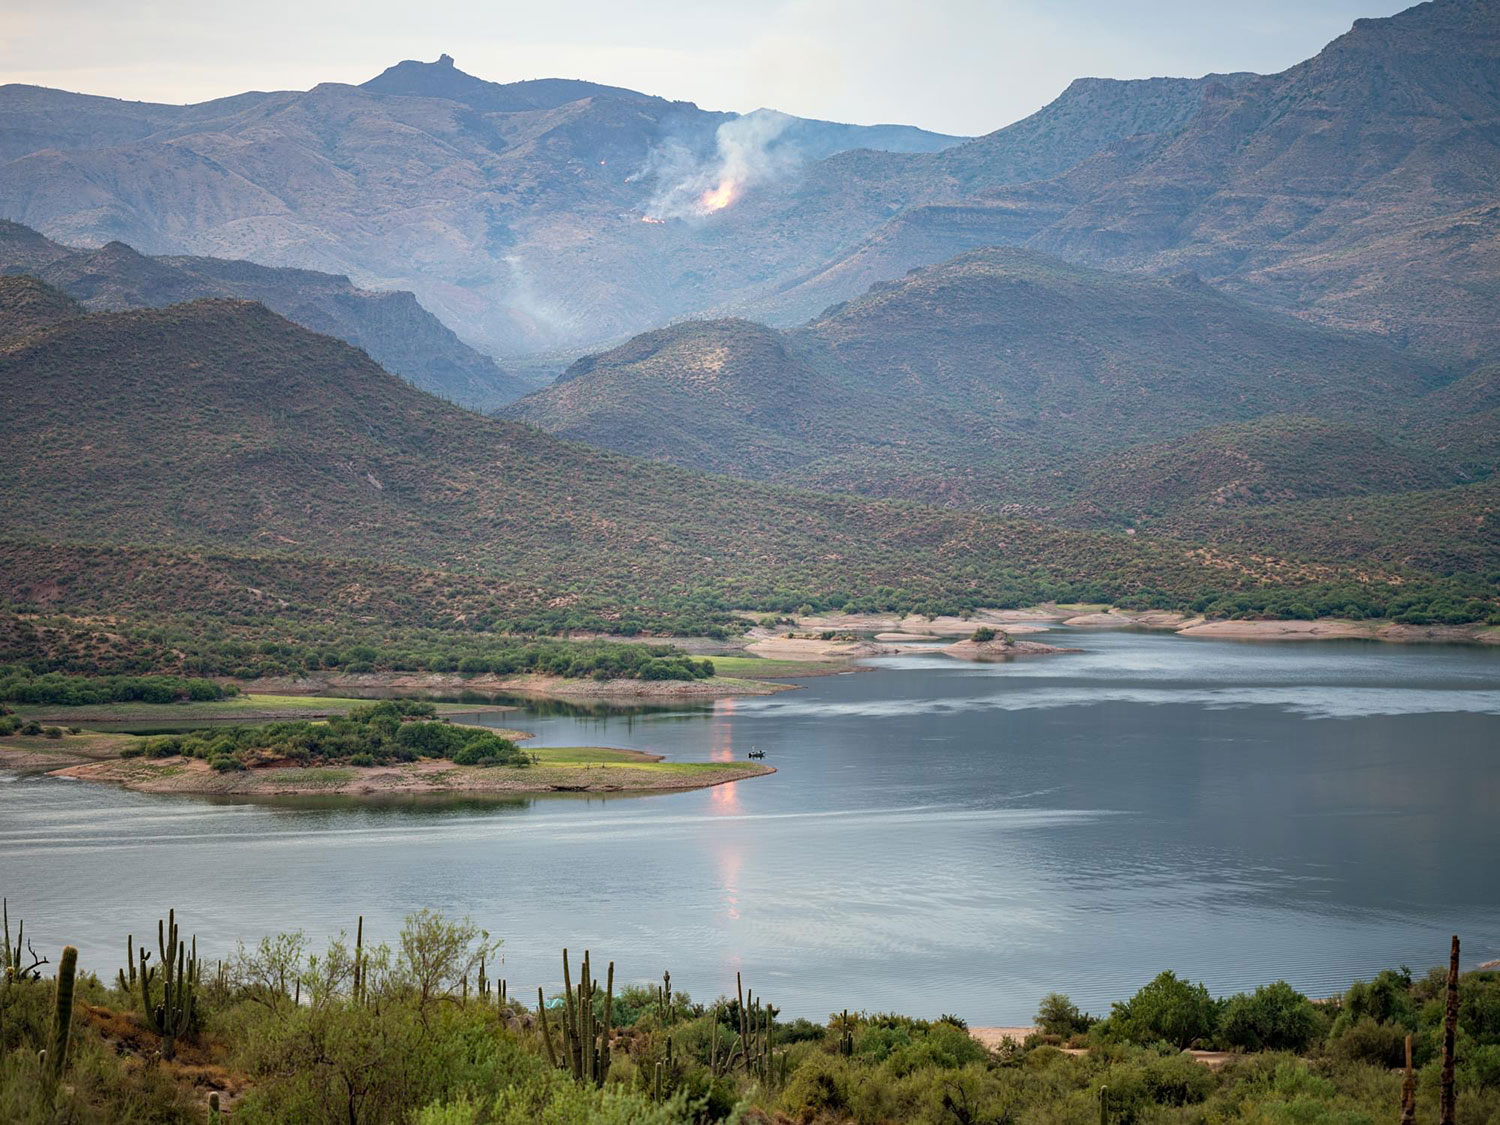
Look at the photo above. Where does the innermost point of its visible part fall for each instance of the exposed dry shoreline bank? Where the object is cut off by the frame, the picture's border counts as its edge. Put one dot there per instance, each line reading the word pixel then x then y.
pixel 531 687
pixel 1038 618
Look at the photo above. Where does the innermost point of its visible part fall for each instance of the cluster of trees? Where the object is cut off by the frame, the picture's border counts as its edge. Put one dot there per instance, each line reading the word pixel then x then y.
pixel 389 731
pixel 19 684
pixel 1367 1024
pixel 411 1030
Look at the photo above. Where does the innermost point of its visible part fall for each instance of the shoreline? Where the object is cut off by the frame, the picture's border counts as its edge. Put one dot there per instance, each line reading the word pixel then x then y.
pixel 414 684
pixel 1041 618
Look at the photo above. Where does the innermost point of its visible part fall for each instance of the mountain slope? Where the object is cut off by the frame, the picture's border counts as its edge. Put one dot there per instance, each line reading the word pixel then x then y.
pixel 219 424
pixel 1392 124
pixel 227 457
pixel 1355 189
pixel 396 331
pixel 968 382
pixel 1276 459
pixel 303 467
pixel 1351 189
pixel 501 206
pixel 27 305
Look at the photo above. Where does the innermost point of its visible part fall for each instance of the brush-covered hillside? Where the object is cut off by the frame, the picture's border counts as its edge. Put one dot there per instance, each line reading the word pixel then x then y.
pixel 219 430
pixel 996 378
pixel 398 333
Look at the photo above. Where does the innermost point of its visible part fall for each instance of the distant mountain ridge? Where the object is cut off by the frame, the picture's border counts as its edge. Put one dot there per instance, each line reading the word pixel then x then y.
pixel 996 378
pixel 397 332
pixel 486 200
pixel 1355 189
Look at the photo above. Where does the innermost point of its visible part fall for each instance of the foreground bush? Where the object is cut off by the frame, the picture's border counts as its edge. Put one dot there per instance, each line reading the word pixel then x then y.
pixel 1275 1017
pixel 415 1032
pixel 1167 1010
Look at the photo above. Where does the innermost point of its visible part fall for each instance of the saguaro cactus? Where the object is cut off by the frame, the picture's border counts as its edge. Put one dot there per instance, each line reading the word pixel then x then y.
pixel 359 961
pixel 585 1036
pixel 10 955
pixel 11 968
pixel 755 1032
pixel 541 1019
pixel 1409 1090
pixel 62 1015
pixel 173 1015
pixel 1447 1100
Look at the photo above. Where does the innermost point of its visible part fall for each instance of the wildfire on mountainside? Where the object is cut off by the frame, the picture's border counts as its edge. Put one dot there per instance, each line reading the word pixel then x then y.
pixel 717 198
pixel 709 202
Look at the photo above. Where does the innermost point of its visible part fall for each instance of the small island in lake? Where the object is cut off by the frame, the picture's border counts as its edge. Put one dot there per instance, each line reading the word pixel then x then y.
pixel 389 748
pixel 573 769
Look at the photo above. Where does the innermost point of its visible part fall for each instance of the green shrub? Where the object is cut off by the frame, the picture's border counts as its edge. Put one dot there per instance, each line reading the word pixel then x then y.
pixel 1275 1017
pixel 1178 1080
pixel 1057 1015
pixel 1166 1010
pixel 1366 1040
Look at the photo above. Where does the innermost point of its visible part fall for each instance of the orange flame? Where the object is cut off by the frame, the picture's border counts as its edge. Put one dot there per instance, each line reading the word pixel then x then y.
pixel 717 198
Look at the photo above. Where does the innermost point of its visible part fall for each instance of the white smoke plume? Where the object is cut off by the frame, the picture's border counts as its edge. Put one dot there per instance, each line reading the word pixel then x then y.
pixel 745 153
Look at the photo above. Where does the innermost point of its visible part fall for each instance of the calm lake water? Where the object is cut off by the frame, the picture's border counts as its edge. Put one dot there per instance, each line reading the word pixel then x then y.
pixel 940 837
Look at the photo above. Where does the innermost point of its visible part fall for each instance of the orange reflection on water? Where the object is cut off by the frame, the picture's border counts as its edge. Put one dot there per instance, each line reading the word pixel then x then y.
pixel 728 858
pixel 721 731
pixel 725 799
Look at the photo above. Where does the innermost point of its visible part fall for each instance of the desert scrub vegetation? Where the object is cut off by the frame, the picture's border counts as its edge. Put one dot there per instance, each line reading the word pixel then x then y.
pixel 420 1029
pixel 377 734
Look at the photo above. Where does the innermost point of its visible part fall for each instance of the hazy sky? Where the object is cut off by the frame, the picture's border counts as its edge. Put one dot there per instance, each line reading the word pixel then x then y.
pixel 962 66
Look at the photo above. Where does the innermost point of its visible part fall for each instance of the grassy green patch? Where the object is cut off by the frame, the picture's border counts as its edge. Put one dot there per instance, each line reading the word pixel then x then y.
pixel 602 757
pixel 584 755
pixel 94 744
pixel 756 667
